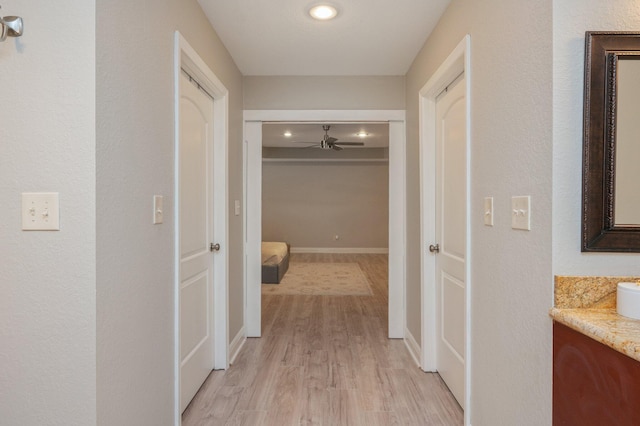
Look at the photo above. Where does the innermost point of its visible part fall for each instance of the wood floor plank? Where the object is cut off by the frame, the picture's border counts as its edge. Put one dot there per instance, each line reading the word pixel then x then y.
pixel 247 418
pixel 317 370
pixel 315 407
pixel 385 418
pixel 222 406
pixel 285 402
pixel 345 408
pixel 325 360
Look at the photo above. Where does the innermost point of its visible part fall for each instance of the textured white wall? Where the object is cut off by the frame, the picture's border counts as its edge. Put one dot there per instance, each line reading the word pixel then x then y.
pixel 47 290
pixel 135 154
pixel 290 92
pixel 307 204
pixel 571 18
pixel 511 154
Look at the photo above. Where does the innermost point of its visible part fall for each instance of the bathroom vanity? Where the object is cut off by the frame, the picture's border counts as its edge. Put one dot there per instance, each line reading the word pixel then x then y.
pixel 592 383
pixel 596 355
pixel 596 352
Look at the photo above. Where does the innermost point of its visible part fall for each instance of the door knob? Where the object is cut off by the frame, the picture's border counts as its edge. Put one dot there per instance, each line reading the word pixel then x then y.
pixel 434 249
pixel 214 247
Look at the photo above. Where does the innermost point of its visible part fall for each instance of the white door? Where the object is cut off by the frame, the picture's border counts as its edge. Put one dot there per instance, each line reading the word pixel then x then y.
pixel 196 234
pixel 451 236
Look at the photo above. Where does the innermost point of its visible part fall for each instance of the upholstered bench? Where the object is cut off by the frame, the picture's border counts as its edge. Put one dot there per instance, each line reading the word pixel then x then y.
pixel 275 261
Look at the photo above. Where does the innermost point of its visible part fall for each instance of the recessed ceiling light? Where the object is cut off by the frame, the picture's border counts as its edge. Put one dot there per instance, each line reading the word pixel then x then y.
pixel 362 134
pixel 287 134
pixel 323 12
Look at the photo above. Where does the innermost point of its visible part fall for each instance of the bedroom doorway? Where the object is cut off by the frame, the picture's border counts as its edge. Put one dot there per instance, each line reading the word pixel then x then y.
pixel 253 205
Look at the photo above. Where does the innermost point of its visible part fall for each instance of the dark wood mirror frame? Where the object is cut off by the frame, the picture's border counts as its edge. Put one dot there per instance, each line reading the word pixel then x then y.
pixel 599 232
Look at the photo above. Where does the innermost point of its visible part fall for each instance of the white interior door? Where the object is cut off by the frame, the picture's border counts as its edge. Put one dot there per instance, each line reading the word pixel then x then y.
pixel 451 236
pixel 196 234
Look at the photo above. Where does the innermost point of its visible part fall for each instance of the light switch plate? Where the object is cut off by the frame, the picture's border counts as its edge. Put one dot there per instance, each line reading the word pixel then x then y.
pixel 521 213
pixel 158 209
pixel 488 211
pixel 236 207
pixel 40 211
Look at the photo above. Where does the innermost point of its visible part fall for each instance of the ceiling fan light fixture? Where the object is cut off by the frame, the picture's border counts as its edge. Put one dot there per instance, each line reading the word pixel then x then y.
pixel 323 12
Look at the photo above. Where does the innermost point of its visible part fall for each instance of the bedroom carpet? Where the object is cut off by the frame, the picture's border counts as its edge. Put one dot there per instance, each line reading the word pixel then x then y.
pixel 321 279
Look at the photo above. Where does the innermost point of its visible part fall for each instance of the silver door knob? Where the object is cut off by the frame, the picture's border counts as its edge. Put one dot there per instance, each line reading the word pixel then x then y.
pixel 214 247
pixel 434 249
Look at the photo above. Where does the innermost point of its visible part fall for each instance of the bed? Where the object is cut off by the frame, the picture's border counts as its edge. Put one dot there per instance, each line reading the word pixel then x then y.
pixel 275 261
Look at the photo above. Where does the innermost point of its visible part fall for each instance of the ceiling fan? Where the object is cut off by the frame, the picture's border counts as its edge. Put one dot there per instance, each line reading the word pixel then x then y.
pixel 329 142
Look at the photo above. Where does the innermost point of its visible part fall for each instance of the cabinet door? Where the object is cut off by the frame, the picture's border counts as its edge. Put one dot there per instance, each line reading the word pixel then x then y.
pixel 592 383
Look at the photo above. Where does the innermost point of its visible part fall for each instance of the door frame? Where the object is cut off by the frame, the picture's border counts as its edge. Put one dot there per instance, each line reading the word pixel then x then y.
pixel 186 57
pixel 457 62
pixel 252 173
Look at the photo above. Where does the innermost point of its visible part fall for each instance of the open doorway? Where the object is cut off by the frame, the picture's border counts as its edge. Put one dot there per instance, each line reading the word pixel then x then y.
pixel 331 199
pixel 253 202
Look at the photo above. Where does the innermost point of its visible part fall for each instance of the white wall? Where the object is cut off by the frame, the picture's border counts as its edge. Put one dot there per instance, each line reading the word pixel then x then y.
pixel 511 154
pixel 135 157
pixel 330 93
pixel 307 204
pixel 571 18
pixel 47 295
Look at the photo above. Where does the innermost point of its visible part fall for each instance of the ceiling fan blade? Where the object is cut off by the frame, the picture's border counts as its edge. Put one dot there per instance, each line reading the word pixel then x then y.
pixel 351 143
pixel 336 147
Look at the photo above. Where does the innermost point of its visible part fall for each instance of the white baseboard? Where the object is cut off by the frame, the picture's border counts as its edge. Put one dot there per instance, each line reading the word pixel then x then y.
pixel 236 344
pixel 352 250
pixel 413 346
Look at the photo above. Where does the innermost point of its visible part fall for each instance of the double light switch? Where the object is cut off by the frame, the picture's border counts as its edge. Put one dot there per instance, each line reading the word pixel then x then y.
pixel 521 213
pixel 40 211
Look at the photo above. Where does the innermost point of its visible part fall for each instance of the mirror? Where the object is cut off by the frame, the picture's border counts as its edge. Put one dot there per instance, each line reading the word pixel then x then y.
pixel 627 166
pixel 611 156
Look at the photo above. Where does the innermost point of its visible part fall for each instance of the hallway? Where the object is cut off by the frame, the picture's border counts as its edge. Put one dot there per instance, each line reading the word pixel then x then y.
pixel 325 360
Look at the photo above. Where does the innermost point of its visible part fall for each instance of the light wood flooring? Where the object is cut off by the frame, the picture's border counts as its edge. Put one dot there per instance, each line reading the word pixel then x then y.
pixel 325 360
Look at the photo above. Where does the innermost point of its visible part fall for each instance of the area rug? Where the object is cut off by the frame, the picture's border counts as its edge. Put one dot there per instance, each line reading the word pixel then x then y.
pixel 321 279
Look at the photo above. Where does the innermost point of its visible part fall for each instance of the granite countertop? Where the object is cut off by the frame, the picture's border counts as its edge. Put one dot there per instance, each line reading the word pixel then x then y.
pixel 588 305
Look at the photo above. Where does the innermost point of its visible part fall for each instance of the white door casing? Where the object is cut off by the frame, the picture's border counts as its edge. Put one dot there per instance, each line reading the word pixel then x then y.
pixel 457 63
pixel 185 57
pixel 397 201
pixel 195 155
pixel 451 236
pixel 253 224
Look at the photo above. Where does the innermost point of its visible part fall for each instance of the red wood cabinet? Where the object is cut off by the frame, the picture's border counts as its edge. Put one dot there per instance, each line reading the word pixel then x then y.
pixel 592 383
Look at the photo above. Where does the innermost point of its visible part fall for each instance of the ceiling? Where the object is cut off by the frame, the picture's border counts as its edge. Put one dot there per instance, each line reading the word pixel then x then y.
pixel 273 134
pixel 368 37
